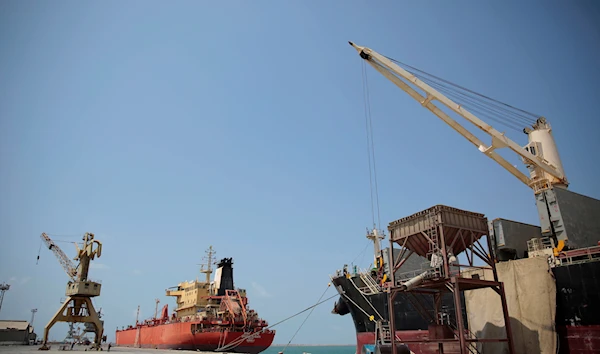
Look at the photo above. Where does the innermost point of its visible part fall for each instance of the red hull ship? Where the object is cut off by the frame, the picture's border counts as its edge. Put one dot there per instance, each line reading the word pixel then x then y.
pixel 210 316
pixel 183 336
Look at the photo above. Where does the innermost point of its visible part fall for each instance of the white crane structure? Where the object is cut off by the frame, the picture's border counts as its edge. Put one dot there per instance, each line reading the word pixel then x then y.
pixel 78 307
pixel 540 155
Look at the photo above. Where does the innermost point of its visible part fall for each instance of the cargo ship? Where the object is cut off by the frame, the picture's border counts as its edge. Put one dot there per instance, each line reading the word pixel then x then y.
pixel 210 317
pixel 576 274
pixel 565 248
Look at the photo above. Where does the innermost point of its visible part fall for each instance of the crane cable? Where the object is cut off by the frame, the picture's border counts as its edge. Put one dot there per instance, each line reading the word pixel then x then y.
pixel 512 117
pixel 361 253
pixel 501 105
pixel 39 252
pixel 53 240
pixel 370 147
pixel 306 318
pixel 370 157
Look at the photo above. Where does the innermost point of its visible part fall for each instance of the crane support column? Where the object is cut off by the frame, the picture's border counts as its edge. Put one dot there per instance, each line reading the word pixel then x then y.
pixel 76 309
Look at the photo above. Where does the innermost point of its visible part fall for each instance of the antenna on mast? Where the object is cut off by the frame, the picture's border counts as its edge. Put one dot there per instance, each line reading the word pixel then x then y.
pixel 206 268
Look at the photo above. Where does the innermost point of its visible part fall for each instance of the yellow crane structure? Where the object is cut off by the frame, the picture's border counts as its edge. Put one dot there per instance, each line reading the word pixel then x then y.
pixel 78 307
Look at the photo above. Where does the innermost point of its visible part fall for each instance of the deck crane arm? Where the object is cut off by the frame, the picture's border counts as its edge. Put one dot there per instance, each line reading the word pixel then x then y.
pixel 64 261
pixel 543 173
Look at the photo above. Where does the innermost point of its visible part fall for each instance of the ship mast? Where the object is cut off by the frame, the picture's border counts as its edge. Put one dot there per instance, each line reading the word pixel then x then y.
pixel 207 267
pixel 156 308
pixel 375 236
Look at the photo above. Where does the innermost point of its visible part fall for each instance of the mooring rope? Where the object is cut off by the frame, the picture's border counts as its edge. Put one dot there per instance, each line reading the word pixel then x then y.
pixel 242 338
pixel 307 316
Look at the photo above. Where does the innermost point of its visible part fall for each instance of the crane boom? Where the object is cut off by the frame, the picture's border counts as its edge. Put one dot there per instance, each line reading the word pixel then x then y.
pixel 64 261
pixel 543 173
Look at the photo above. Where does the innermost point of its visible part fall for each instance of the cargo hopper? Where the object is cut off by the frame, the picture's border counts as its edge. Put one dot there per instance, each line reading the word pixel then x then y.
pixel 567 240
pixel 210 317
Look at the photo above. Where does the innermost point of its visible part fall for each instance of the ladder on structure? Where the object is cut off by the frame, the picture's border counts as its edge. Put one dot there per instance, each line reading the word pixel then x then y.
pixel 434 246
pixel 382 333
pixel 370 283
pixel 435 251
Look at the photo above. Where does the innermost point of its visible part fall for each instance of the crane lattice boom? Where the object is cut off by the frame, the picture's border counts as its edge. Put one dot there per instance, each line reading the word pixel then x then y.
pixel 64 261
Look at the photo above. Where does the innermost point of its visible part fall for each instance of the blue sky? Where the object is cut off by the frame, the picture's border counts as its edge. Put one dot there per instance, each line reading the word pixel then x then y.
pixel 165 129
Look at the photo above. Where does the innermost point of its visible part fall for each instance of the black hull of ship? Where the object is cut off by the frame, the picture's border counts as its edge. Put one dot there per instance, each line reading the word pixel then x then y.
pixel 409 322
pixel 578 307
pixel 577 313
pixel 406 314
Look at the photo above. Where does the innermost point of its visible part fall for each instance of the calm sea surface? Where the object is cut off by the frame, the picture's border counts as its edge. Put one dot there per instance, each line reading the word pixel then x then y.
pixel 351 349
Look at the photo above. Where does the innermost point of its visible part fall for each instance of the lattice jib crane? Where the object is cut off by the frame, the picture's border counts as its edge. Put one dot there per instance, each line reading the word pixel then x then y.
pixel 540 155
pixel 78 307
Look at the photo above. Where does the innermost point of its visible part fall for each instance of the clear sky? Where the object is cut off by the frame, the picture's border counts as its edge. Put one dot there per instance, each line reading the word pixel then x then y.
pixel 168 127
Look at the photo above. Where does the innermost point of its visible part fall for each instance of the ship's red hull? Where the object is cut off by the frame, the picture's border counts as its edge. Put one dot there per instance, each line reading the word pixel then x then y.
pixel 572 340
pixel 578 339
pixel 368 338
pixel 179 336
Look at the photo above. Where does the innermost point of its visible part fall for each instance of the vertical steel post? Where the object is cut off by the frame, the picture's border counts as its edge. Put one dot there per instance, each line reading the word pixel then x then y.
pixel 392 261
pixel 492 257
pixel 459 319
pixel 437 300
pixel 391 297
pixel 507 325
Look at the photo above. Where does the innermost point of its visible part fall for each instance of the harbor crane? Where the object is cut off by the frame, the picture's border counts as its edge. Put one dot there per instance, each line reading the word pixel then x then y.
pixel 78 307
pixel 540 155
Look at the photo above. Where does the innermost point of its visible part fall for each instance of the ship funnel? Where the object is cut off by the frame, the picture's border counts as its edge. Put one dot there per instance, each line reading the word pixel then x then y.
pixel 224 276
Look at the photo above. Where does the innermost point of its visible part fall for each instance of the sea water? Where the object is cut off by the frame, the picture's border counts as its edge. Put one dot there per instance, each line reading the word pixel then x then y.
pixel 346 349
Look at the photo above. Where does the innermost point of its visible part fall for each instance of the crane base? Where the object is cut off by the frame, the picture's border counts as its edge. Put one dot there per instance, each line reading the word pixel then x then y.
pixel 76 309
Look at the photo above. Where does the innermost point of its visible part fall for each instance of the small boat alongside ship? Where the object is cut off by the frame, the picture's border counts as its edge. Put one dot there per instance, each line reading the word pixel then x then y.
pixel 210 316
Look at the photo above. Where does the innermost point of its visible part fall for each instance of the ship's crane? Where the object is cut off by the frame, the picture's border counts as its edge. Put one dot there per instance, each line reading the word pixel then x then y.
pixel 78 307
pixel 540 155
